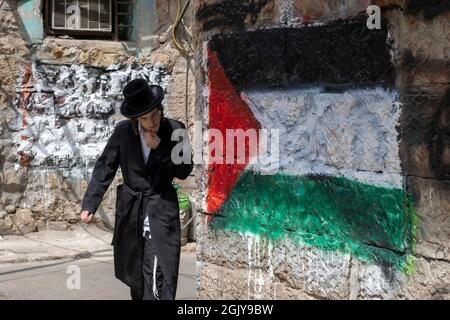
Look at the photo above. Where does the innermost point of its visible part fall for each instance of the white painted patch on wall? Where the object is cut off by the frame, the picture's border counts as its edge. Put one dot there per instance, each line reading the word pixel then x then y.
pixel 67 120
pixel 351 133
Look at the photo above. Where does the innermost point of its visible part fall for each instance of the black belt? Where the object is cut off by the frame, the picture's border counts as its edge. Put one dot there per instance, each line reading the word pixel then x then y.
pixel 137 196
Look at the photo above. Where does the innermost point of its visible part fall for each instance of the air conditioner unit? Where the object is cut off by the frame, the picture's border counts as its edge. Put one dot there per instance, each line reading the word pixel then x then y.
pixel 82 15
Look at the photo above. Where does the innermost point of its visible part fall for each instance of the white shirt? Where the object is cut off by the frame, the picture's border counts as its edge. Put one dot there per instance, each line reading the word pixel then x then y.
pixel 146 152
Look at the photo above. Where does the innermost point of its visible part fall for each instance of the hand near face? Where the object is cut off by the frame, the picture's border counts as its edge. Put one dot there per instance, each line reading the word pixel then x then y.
pixel 151 139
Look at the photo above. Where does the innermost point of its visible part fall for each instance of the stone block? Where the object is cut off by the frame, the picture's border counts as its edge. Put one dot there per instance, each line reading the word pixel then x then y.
pixel 432 204
pixel 6 225
pixel 24 222
pixel 10 209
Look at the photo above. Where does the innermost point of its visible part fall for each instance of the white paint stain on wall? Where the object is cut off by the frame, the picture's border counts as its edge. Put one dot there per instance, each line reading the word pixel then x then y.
pixel 260 279
pixel 351 133
pixel 287 16
pixel 66 121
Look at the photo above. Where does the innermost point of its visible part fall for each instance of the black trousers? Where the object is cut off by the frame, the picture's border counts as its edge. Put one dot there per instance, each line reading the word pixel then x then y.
pixel 154 286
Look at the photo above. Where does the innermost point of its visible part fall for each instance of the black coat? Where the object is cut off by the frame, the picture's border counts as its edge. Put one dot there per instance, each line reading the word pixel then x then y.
pixel 147 189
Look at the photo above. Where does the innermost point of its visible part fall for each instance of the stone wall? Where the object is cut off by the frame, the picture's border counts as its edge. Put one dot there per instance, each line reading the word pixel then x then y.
pixel 356 206
pixel 59 101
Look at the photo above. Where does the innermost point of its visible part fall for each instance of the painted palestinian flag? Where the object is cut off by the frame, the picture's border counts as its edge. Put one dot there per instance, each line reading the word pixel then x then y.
pixel 337 182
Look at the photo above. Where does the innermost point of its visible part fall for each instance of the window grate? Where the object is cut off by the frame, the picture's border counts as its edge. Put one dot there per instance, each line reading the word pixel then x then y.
pixel 82 15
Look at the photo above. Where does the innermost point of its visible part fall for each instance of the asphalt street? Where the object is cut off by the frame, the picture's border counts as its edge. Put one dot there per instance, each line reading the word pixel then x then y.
pixel 89 278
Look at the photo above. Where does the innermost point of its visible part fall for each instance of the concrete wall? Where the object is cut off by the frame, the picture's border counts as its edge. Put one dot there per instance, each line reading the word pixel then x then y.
pixel 59 102
pixel 356 206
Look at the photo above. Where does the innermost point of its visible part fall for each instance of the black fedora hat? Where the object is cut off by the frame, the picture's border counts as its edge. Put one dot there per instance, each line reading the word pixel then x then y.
pixel 140 98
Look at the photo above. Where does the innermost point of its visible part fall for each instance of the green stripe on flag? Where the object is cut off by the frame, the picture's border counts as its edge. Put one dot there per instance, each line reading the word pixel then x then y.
pixel 373 223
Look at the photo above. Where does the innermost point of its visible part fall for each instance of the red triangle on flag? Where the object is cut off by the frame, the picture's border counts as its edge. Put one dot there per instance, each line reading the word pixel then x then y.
pixel 227 110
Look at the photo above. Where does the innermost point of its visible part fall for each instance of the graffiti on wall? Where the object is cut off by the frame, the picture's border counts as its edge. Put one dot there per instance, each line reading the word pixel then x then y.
pixel 338 184
pixel 429 8
pixel 425 126
pixel 217 14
